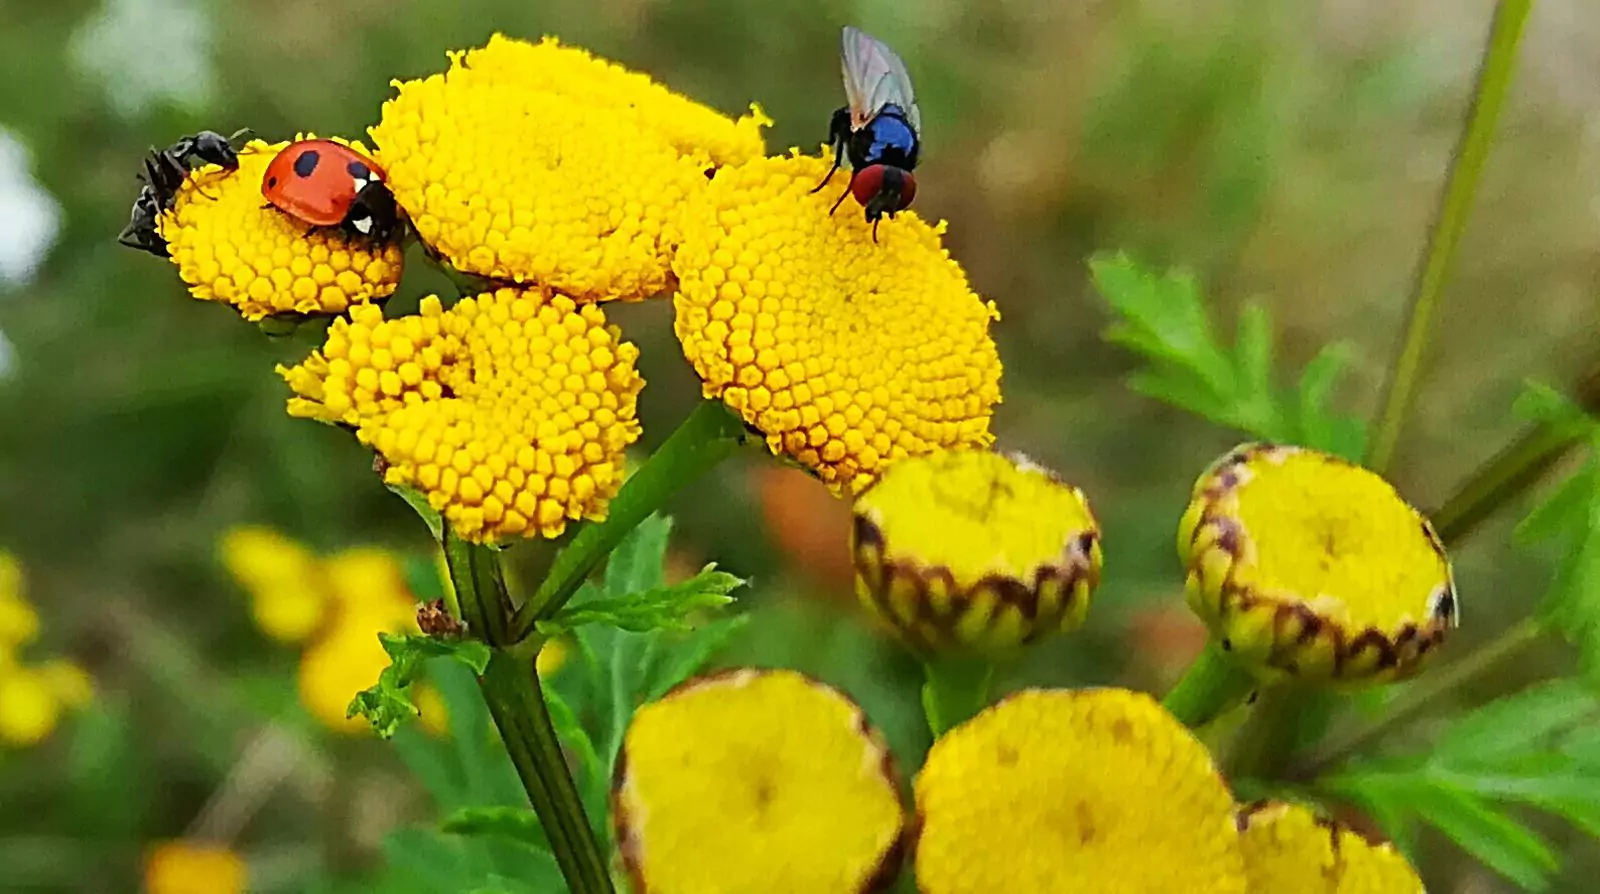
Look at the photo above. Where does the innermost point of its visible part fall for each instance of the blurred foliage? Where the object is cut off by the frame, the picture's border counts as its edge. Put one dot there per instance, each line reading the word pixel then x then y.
pixel 1287 155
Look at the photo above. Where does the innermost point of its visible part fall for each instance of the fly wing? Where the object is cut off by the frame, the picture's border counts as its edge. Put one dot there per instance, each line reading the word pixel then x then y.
pixel 875 77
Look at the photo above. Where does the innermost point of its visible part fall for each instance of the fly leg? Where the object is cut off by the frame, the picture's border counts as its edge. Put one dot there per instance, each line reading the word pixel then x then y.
pixel 838 136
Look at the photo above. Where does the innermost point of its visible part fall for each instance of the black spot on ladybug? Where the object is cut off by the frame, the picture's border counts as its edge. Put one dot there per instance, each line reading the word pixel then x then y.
pixel 271 182
pixel 306 163
pixel 358 170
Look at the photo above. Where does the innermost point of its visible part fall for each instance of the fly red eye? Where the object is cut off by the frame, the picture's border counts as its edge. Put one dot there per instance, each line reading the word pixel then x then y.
pixel 868 182
pixel 908 190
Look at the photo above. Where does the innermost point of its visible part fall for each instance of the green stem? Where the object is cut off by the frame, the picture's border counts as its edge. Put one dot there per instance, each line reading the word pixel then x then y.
pixel 955 688
pixel 1450 220
pixel 510 687
pixel 1212 685
pixel 1503 478
pixel 1421 696
pixel 707 437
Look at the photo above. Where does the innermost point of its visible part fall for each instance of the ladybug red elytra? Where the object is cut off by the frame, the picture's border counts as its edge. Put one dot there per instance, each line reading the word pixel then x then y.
pixel 329 184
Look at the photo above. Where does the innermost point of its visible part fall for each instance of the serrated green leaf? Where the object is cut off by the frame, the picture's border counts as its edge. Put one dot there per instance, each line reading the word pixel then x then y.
pixel 1318 426
pixel 639 561
pixel 691 655
pixel 511 823
pixel 1162 316
pixel 1515 725
pixel 1252 354
pixel 663 608
pixel 387 704
pixel 1565 511
pixel 1500 842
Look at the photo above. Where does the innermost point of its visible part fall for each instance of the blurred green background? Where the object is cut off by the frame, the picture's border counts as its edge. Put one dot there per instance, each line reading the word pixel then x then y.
pixel 1282 151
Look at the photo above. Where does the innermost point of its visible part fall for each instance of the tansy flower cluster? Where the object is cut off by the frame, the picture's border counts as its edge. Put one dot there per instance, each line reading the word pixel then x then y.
pixel 190 866
pixel 565 181
pixel 33 696
pixel 335 605
pixel 1097 790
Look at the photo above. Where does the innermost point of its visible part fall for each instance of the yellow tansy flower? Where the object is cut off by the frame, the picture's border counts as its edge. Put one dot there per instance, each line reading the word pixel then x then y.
pixel 68 682
pixel 341 663
pixel 30 708
pixel 281 576
pixel 783 773
pixel 511 410
pixel 970 548
pixel 19 623
pixel 1303 564
pixel 846 353
pixel 1290 850
pixel 232 247
pixel 541 164
pixel 193 867
pixel 1096 791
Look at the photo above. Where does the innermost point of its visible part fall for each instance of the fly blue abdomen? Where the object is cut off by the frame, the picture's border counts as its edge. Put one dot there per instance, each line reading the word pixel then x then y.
pixel 893 140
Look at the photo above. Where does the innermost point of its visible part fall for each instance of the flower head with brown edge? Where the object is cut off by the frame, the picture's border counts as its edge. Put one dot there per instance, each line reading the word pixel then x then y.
pixel 1303 564
pixel 970 549
pixel 783 773
pixel 846 353
pixel 230 246
pixel 1095 791
pixel 511 410
pixel 541 164
pixel 1290 850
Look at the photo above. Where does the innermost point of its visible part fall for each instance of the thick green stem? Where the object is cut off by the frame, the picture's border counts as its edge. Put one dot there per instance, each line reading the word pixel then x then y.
pixel 510 686
pixel 707 437
pixel 1212 685
pixel 1450 221
pixel 954 689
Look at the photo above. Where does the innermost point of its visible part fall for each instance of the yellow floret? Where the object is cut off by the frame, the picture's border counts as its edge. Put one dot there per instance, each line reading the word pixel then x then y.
pixel 968 548
pixel 511 411
pixel 782 772
pixel 1303 564
pixel 232 247
pixel 846 353
pixel 540 164
pixel 1094 791
pixel 1290 850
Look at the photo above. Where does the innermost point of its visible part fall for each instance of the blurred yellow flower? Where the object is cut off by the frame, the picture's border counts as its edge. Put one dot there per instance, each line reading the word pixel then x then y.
pixel 1305 565
pixel 972 549
pixel 339 664
pixel 30 709
pixel 511 410
pixel 193 867
pixel 281 577
pixel 846 353
pixel 1290 850
pixel 540 164
pixel 784 774
pixel 230 246
pixel 1095 791
pixel 19 623
pixel 33 697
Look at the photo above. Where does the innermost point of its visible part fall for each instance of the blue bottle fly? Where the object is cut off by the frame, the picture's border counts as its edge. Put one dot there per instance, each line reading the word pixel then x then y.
pixel 878 129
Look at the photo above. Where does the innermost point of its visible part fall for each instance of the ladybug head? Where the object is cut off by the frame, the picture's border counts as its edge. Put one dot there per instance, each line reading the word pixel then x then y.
pixel 883 189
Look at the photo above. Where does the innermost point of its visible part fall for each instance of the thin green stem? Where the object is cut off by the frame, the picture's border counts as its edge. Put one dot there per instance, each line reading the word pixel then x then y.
pixel 1213 685
pixel 707 437
pixel 510 687
pixel 1450 220
pixel 954 689
pixel 1421 696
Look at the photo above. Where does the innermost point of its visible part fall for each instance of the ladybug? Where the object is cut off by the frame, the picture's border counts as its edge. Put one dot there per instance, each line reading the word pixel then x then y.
pixel 879 129
pixel 165 170
pixel 328 184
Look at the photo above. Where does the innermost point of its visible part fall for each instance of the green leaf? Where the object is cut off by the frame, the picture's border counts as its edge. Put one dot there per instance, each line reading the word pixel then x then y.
pixel 663 608
pixel 639 561
pixel 512 823
pixel 418 501
pixel 1163 318
pixel 387 704
pixel 1515 725
pixel 1499 841
pixel 691 655
pixel 1539 402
